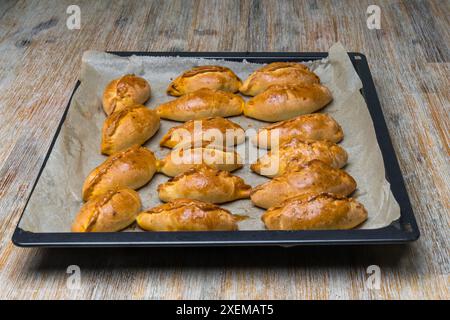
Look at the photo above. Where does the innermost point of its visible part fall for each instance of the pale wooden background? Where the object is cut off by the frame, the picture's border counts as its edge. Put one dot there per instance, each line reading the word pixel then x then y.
pixel 409 59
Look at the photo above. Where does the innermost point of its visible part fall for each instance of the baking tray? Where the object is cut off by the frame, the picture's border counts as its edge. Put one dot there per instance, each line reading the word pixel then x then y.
pixel 403 230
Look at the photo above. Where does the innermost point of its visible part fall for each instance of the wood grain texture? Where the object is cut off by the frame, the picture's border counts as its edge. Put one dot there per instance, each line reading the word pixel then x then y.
pixel 409 60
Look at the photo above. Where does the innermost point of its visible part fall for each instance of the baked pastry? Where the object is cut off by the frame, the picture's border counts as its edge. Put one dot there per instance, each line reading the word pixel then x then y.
pixel 127 127
pixel 125 91
pixel 211 77
pixel 296 152
pixel 215 130
pixel 316 126
pixel 200 104
pixel 133 168
pixel 205 184
pixel 278 73
pixel 313 178
pixel 315 212
pixel 111 211
pixel 182 159
pixel 284 102
pixel 187 215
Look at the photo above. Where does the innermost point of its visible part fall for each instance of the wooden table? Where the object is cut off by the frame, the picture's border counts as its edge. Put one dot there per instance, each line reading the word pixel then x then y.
pixel 409 59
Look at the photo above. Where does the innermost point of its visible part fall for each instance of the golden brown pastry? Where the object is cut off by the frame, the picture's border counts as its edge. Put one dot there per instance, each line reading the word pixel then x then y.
pixel 108 212
pixel 315 212
pixel 284 102
pixel 125 91
pixel 201 104
pixel 296 152
pixel 127 127
pixel 182 159
pixel 187 215
pixel 211 77
pixel 313 178
pixel 316 126
pixel 227 133
pixel 278 73
pixel 133 168
pixel 205 184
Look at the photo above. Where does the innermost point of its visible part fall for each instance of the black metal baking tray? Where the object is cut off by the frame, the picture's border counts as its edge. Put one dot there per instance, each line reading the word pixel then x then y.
pixel 403 230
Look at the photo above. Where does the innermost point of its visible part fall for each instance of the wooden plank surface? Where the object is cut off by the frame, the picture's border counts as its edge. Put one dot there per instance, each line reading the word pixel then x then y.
pixel 409 60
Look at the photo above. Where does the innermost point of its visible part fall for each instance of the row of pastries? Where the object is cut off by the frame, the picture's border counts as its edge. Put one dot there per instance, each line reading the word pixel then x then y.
pixel 279 91
pixel 308 189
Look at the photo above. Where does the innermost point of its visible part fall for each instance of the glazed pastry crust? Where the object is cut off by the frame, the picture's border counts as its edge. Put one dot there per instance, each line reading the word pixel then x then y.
pixel 295 153
pixel 205 184
pixel 316 126
pixel 278 73
pixel 313 178
pixel 125 91
pixel 211 77
pixel 201 104
pixel 285 102
pixel 109 212
pixel 210 127
pixel 182 159
pixel 315 212
pixel 133 168
pixel 187 215
pixel 127 127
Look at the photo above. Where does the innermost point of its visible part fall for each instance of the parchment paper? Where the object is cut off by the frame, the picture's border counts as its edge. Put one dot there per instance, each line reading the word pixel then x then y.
pixel 57 197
